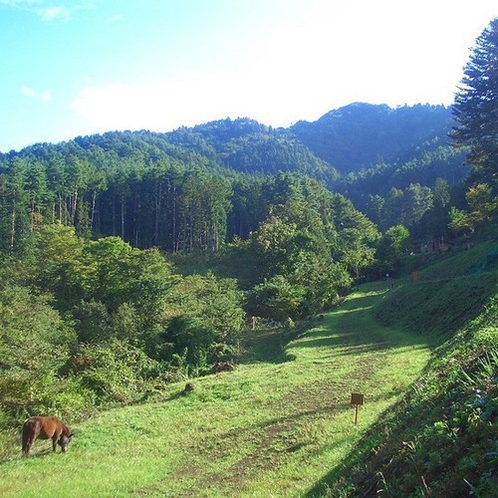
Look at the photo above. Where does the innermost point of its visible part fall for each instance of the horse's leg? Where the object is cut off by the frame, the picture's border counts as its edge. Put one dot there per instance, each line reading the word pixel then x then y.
pixel 29 444
pixel 28 438
pixel 25 440
pixel 55 438
pixel 26 445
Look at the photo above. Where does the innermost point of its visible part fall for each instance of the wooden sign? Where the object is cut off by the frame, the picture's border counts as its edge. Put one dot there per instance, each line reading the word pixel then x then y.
pixel 356 400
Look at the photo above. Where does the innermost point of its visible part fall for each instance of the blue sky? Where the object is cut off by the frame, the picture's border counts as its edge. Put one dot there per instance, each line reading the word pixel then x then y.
pixel 78 67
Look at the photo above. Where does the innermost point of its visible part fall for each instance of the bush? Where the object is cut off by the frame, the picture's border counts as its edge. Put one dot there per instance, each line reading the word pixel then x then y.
pixel 116 371
pixel 35 344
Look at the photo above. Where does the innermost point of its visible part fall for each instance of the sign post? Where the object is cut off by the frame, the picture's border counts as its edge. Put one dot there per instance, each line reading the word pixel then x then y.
pixel 356 400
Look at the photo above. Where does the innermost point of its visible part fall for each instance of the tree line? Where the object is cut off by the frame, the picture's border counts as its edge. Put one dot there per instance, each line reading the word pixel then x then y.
pixel 176 200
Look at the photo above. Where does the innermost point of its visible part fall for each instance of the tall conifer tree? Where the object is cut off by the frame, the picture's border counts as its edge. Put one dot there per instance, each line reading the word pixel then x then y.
pixel 476 108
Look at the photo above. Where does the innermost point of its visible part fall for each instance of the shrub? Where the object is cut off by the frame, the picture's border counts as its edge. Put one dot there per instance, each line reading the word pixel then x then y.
pixel 116 371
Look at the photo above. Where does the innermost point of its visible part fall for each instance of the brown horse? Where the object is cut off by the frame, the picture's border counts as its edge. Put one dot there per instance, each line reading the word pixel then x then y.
pixel 45 428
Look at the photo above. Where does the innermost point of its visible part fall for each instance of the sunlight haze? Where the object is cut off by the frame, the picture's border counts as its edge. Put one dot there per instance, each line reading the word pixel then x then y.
pixel 88 66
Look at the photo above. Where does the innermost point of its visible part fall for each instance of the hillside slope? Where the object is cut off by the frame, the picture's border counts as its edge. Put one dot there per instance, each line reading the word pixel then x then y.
pixel 270 428
pixel 353 138
pixel 359 135
pixel 282 424
pixel 442 439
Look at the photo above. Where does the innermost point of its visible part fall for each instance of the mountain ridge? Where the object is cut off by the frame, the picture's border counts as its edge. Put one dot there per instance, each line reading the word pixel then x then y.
pixel 359 150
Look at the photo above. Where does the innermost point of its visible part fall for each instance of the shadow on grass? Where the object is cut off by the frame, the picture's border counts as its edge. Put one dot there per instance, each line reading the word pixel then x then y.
pixel 264 345
pixel 372 454
pixel 342 328
pixel 35 453
pixel 348 330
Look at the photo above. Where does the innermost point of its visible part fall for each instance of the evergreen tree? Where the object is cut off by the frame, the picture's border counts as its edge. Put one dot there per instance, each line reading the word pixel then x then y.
pixel 476 108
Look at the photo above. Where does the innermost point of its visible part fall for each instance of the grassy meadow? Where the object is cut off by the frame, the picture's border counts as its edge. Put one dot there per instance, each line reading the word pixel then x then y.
pixel 277 426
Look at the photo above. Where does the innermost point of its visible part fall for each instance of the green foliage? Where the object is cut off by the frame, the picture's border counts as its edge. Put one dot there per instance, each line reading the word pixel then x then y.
pixel 276 299
pixel 355 136
pixel 204 322
pixel 475 109
pixel 297 253
pixel 459 222
pixel 203 208
pixel 115 371
pixel 398 193
pixel 120 274
pixel 195 189
pixel 35 344
pixel 60 264
pixel 92 321
pixel 106 284
pixel 357 237
pixel 483 203
pixel 476 105
pixel 393 247
pixel 108 299
pixel 249 147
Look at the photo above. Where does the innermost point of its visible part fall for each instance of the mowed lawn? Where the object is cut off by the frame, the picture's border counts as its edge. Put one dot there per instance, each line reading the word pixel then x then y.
pixel 267 429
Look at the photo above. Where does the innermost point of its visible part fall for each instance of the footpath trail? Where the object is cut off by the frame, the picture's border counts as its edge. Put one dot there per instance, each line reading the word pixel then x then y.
pixel 271 428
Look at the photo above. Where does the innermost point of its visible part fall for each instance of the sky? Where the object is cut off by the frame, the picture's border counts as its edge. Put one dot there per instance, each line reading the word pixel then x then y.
pixel 71 68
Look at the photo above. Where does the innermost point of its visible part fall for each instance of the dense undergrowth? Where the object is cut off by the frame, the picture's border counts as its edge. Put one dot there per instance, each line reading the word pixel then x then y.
pixel 442 439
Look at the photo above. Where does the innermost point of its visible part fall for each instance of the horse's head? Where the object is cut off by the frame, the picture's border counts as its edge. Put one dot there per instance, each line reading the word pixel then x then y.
pixel 64 441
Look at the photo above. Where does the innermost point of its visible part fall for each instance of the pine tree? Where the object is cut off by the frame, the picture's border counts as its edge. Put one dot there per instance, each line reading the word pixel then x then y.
pixel 476 108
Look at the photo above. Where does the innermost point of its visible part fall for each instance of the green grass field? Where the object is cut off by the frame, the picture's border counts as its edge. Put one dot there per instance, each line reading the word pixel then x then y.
pixel 274 427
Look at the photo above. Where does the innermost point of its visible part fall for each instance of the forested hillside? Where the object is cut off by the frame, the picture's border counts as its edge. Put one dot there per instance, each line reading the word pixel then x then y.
pixel 360 135
pixel 198 188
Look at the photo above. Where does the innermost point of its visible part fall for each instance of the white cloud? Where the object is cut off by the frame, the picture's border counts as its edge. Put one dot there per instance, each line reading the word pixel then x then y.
pixel 42 9
pixel 330 55
pixel 44 97
pixel 51 13
pixel 193 99
pixel 159 105
pixel 29 92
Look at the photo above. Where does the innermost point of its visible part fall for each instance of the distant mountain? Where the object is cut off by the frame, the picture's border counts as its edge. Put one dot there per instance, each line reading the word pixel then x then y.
pixel 360 135
pixel 358 150
pixel 247 146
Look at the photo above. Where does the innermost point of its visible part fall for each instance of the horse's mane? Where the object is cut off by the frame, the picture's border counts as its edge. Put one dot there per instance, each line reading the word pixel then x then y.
pixel 65 429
